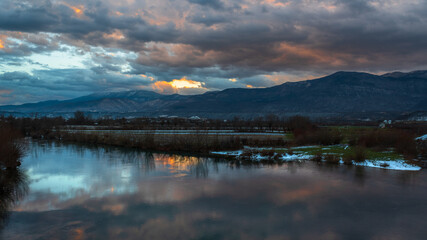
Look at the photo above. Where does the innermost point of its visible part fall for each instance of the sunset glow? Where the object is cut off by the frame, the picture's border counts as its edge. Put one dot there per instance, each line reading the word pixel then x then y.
pixel 177 86
pixel 78 11
pixel 116 35
pixel 152 45
pixel 185 83
pixel 276 3
pixel 1 42
pixel 213 119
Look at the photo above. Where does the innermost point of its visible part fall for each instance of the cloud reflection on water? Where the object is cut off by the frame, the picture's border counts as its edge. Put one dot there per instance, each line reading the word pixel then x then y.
pixel 134 195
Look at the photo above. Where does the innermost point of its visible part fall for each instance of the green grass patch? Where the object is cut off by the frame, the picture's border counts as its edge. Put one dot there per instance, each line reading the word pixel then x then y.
pixel 341 151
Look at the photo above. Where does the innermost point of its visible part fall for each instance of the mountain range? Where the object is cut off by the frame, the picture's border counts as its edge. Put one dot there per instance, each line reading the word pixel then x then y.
pixel 344 93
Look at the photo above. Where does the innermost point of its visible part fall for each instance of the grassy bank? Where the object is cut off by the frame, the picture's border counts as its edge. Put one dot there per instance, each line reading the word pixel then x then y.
pixel 393 148
pixel 200 142
pixel 363 142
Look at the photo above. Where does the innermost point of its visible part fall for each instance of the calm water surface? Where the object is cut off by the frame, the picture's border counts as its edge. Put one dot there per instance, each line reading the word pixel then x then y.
pixel 76 192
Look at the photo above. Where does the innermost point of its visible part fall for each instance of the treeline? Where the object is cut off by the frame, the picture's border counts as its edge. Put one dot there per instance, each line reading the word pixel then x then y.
pixel 269 122
pixel 297 131
pixel 43 125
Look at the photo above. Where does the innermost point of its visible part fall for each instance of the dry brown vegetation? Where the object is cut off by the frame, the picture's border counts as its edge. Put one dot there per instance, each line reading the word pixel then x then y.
pixel 322 136
pixel 201 143
pixel 357 155
pixel 398 138
pixel 382 139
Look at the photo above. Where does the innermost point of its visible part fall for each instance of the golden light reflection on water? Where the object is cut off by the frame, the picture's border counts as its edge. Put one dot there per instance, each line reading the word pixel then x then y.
pixel 178 164
pixel 259 203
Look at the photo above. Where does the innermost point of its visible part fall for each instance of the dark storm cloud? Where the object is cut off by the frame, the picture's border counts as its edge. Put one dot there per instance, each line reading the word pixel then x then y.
pixel 26 19
pixel 216 4
pixel 46 17
pixel 248 38
pixel 165 33
pixel 209 19
pixel 64 83
pixel 212 41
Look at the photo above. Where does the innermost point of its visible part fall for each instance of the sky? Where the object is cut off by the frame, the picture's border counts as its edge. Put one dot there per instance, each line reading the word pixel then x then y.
pixel 53 49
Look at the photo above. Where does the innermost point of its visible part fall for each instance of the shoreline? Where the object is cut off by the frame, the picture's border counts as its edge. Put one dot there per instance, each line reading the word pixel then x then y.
pixel 275 155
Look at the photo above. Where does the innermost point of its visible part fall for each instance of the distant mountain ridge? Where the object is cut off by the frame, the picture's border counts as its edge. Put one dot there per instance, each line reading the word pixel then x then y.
pixel 341 92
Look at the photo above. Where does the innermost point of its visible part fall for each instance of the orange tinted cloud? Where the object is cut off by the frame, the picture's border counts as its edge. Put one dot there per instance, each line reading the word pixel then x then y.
pixel 185 83
pixel 5 91
pixel 78 10
pixel 292 52
pixel 145 76
pixel 2 37
pixel 276 3
pixel 78 234
pixel 114 208
pixel 116 35
pixel 280 78
pixel 177 84
pixel 163 87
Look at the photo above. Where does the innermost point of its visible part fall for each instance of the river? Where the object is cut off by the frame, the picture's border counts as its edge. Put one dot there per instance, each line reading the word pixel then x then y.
pixel 81 192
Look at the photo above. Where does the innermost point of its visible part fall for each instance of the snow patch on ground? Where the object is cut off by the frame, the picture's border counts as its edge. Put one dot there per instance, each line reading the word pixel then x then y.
pixel 293 157
pixel 391 165
pixel 422 138
pixel 385 164
pixel 229 153
pixel 285 157
pixel 302 147
pixel 258 157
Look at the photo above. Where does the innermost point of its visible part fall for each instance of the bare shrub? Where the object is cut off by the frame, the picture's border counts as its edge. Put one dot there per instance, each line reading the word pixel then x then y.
pixel 318 157
pixel 331 158
pixel 384 165
pixel 358 154
pixel 267 153
pixel 299 125
pixel 347 159
pixel 319 137
pixel 403 141
pixel 246 154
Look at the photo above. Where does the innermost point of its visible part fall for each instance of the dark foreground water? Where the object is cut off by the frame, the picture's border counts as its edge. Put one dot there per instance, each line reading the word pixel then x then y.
pixel 74 192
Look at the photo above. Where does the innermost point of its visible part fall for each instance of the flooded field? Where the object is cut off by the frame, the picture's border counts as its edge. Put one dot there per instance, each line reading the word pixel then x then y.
pixel 77 192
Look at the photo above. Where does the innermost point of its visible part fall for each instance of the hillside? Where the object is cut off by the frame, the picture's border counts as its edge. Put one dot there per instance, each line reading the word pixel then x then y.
pixel 341 92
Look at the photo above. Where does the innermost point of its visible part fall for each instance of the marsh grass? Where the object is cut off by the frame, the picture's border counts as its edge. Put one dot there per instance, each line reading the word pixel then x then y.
pixel 403 142
pixel 358 154
pixel 318 157
pixel 322 136
pixel 199 142
pixel 348 154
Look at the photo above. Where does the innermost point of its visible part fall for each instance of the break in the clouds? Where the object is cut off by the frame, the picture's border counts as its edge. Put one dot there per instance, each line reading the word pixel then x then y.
pixel 62 49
